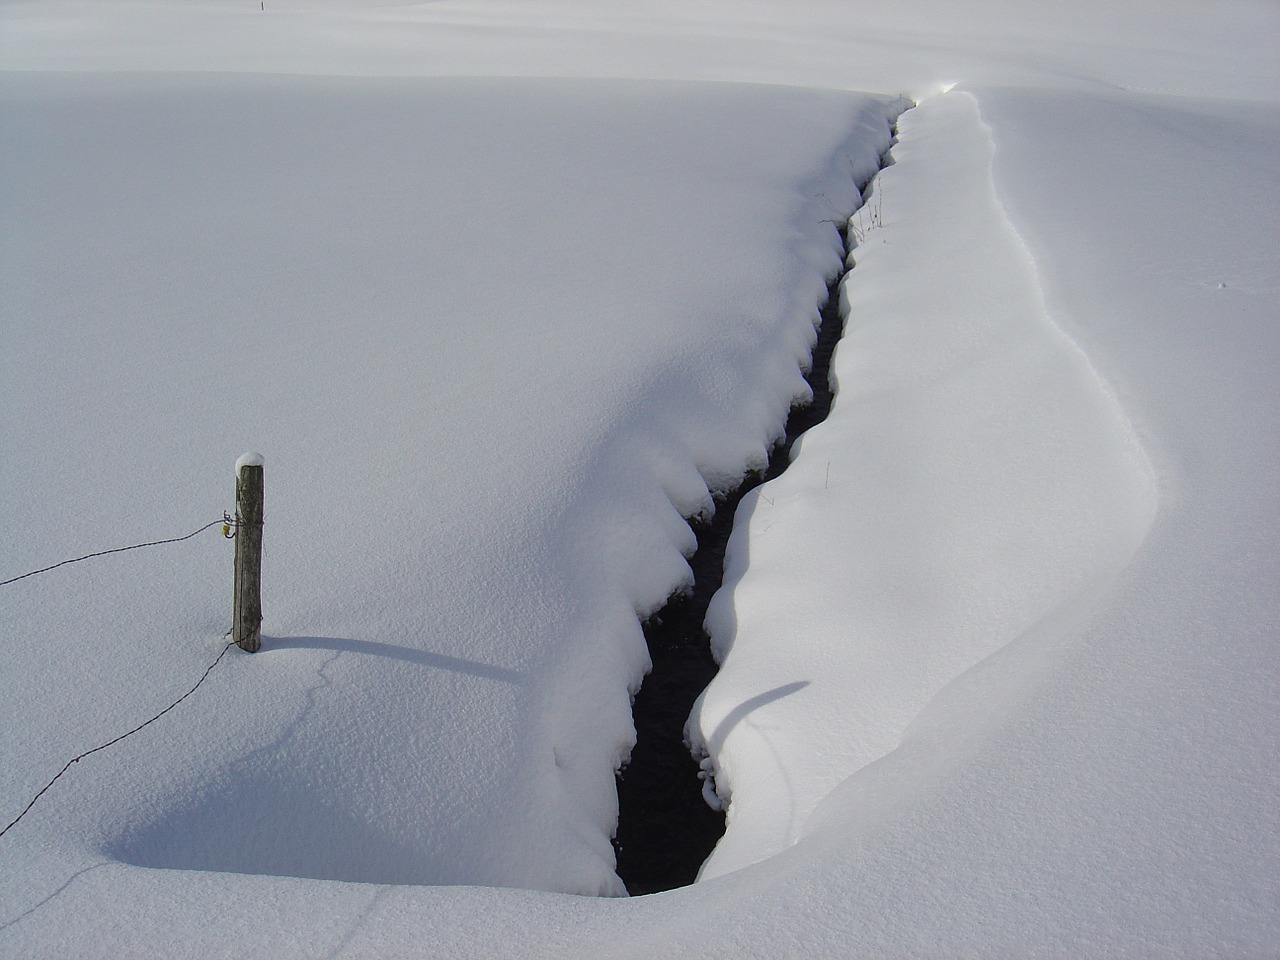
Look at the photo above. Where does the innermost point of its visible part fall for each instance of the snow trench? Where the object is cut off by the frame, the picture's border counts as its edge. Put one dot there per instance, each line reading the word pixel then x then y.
pixel 670 816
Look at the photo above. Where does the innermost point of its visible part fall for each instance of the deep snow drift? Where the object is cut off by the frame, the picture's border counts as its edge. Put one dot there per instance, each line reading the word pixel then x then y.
pixel 489 390
pixel 973 485
pixel 998 668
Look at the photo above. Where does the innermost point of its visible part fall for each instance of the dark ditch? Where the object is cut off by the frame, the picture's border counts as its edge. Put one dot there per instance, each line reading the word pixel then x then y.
pixel 665 828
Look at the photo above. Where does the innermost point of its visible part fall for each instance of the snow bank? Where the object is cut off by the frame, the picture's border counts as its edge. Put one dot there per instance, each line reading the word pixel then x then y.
pixel 497 338
pixel 1033 713
pixel 974 483
pixel 994 699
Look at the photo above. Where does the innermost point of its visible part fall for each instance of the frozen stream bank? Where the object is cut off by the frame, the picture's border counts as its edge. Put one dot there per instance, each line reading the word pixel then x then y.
pixel 669 816
pixel 478 486
pixel 504 332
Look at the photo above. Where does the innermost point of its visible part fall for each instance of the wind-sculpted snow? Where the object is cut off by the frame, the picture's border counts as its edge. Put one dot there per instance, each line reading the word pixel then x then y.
pixel 975 482
pixel 1013 695
pixel 493 338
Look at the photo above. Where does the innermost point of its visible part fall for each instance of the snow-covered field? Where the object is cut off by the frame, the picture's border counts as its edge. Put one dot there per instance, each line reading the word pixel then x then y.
pixel 502 291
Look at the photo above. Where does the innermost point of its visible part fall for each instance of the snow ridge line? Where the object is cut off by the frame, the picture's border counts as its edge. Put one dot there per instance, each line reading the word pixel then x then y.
pixel 670 813
pixel 1004 496
pixel 1122 418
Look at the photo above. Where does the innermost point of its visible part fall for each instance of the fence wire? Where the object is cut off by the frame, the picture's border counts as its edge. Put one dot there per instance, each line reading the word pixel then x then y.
pixel 225 519
pixel 229 523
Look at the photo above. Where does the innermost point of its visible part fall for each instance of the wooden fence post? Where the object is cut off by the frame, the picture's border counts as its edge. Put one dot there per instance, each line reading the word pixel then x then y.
pixel 246 625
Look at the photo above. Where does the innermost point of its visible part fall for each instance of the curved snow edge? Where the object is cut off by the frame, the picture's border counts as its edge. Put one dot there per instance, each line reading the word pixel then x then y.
pixel 977 483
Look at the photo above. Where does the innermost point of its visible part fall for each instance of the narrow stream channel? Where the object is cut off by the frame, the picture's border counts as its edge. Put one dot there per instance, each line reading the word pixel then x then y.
pixel 665 828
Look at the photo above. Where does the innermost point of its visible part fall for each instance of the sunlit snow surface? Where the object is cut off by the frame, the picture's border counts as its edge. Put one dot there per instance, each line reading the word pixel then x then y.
pixel 500 290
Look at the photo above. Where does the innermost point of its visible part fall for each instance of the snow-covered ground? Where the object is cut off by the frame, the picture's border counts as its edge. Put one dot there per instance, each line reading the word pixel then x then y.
pixel 504 289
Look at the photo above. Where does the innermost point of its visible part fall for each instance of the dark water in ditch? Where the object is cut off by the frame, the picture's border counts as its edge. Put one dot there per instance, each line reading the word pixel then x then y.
pixel 665 828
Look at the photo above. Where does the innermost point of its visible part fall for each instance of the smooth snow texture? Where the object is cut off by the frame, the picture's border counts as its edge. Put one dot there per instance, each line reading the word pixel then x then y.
pixel 497 337
pixel 1000 672
pixel 975 481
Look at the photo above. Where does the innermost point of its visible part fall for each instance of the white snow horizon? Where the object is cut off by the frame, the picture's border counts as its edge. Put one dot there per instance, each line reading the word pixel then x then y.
pixel 503 293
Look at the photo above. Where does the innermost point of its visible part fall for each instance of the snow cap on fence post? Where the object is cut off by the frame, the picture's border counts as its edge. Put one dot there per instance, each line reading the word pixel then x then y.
pixel 246 623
